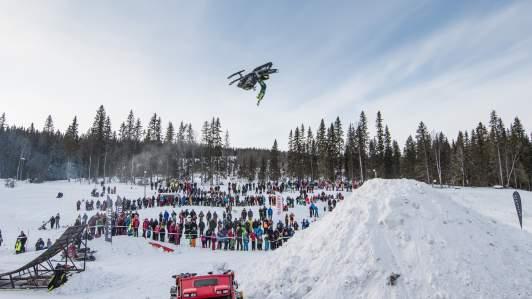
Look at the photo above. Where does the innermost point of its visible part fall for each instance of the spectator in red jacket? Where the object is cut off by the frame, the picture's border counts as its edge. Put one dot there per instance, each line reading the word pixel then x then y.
pixel 156 232
pixel 135 225
pixel 145 226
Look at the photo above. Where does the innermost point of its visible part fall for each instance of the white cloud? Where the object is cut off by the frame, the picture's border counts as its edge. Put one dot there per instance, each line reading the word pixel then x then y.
pixel 451 79
pixel 55 64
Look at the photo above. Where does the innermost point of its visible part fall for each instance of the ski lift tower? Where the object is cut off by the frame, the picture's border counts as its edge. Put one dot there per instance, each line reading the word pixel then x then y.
pixel 19 166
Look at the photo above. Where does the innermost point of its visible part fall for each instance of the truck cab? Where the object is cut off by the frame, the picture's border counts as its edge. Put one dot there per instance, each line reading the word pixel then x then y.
pixel 215 286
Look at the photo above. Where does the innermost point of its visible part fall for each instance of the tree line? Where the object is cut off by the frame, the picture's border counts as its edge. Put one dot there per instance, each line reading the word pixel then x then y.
pixel 133 151
pixel 492 154
pixel 487 155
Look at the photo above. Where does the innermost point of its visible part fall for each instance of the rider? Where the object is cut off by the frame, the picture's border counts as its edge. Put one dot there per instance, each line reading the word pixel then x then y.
pixel 262 91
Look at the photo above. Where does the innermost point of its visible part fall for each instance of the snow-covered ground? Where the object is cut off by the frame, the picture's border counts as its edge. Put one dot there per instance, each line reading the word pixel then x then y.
pixel 128 265
pixel 445 243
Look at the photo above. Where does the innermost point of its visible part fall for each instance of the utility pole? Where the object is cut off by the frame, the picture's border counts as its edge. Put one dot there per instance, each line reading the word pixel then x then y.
pixel 19 165
pixel 144 182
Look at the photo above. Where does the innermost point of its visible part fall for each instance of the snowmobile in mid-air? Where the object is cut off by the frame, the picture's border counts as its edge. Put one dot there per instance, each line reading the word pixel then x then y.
pixel 258 75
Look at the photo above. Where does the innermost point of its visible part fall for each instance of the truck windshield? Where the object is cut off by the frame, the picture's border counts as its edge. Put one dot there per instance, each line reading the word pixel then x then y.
pixel 205 282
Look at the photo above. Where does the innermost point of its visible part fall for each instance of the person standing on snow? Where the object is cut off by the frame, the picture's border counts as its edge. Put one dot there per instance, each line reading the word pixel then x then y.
pixel 166 216
pixel 57 221
pixel 194 234
pixel 135 225
pixel 231 238
pixel 156 232
pixel 162 232
pixel 253 239
pixel 201 227
pixel 239 232
pixel 145 225
pixel 52 222
pixel 245 239
pixel 203 239
pixel 266 243
pixel 258 233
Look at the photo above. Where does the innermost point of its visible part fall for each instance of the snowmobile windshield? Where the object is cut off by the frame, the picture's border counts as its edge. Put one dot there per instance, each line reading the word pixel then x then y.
pixel 205 282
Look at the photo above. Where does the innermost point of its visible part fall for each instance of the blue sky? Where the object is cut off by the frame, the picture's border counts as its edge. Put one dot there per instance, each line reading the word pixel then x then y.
pixel 448 63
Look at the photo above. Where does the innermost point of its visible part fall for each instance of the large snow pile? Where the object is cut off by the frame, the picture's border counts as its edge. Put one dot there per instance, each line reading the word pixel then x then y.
pixel 440 247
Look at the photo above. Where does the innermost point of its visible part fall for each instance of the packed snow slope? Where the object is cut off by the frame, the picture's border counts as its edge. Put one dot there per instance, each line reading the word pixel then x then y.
pixel 441 247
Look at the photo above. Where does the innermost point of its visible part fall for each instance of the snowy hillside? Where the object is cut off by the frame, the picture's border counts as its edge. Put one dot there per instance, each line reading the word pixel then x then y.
pixel 445 243
pixel 439 246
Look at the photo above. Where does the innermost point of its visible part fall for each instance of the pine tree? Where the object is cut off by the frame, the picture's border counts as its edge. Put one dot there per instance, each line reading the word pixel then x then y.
pixel 388 154
pixel 227 152
pixel 98 138
pixel 180 138
pixel 496 137
pixel 206 140
pixel 129 132
pixel 122 132
pixel 3 123
pixel 170 133
pixel 275 171
pixel 310 154
pixel 158 131
pixel 380 147
pixel 362 139
pixel 217 137
pixel 332 153
pixel 49 125
pixel 396 160
pixel 372 157
pixel 190 139
pixel 291 155
pixel 108 131
pixel 206 134
pixel 408 167
pixel 71 140
pixel 31 130
pixel 480 155
pixel 153 133
pixel 138 131
pixel 351 155
pixel 298 153
pixel 321 142
pixel 217 144
pixel 423 153
pixel 339 143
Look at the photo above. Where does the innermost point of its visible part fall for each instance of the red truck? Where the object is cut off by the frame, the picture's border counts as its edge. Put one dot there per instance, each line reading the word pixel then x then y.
pixel 219 286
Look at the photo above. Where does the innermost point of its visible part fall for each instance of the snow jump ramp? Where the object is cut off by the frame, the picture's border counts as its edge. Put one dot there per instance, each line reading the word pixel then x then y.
pixel 38 272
